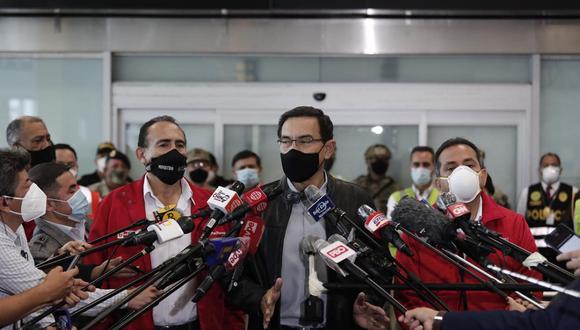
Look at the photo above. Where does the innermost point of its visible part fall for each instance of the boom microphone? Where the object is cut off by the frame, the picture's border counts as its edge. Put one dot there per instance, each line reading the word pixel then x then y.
pixel 256 200
pixel 377 223
pixel 162 232
pixel 234 259
pixel 222 201
pixel 424 221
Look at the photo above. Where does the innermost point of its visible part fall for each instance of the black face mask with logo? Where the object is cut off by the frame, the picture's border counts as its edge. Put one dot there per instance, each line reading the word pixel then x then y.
pixel 169 167
pixel 299 166
pixel 45 155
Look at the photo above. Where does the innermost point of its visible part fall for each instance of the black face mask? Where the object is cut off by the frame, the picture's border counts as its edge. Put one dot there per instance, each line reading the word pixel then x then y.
pixel 299 166
pixel 45 155
pixel 199 175
pixel 379 167
pixel 169 167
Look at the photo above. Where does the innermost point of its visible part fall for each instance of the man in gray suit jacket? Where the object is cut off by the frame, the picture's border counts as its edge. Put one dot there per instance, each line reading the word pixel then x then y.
pixel 64 227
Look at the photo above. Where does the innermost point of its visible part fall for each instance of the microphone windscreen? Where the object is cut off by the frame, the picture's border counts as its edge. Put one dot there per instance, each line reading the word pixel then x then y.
pixel 424 221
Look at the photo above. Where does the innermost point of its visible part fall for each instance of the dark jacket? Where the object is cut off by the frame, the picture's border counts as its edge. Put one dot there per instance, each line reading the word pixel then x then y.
pixel 262 269
pixel 563 313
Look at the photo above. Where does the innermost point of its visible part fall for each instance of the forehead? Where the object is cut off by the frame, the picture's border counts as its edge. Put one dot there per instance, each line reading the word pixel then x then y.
pixel 64 155
pixel 421 156
pixel 164 130
pixel 300 126
pixel 36 128
pixel 246 161
pixel 66 179
pixel 457 154
pixel 113 162
pixel 550 160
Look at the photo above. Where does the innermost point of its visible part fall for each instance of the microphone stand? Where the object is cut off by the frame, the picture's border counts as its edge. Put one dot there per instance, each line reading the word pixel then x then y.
pixel 62 259
pixel 95 282
pixel 423 292
pixel 547 268
pixel 139 223
pixel 452 261
pixel 136 313
pixel 486 274
pixel 187 253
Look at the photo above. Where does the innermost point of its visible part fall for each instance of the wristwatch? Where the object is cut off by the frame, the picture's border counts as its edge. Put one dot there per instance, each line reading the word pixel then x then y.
pixel 437 320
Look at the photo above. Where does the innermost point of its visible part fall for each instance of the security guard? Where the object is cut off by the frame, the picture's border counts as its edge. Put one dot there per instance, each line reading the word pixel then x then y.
pixel 379 185
pixel 548 203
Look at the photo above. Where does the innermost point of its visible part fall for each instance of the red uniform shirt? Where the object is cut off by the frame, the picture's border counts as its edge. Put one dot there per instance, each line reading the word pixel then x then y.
pixel 431 268
pixel 126 205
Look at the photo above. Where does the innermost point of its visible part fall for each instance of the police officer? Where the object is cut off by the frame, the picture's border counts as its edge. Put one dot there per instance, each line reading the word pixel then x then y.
pixel 548 203
pixel 379 185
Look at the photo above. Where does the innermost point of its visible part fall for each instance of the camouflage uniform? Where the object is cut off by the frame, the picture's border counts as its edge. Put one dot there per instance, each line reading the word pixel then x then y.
pixel 387 186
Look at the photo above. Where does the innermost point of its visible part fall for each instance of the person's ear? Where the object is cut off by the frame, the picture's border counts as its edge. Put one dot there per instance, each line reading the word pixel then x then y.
pixel 482 178
pixel 4 204
pixel 140 154
pixel 50 205
pixel 330 148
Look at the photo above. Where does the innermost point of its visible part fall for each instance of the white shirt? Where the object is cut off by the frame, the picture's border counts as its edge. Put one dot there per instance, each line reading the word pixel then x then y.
pixel 176 309
pixel 392 203
pixel 293 272
pixel 18 274
pixel 523 201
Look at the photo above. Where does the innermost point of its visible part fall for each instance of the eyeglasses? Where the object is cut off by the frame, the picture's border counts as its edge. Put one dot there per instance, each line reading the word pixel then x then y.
pixel 303 141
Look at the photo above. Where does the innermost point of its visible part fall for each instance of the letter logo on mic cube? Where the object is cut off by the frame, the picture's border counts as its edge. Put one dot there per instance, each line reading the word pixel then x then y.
pixel 321 207
pixel 337 252
pixel 225 200
pixel 457 210
pixel 257 199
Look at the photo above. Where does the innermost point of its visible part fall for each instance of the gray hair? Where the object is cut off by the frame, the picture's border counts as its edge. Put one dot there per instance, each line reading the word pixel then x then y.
pixel 13 129
pixel 13 162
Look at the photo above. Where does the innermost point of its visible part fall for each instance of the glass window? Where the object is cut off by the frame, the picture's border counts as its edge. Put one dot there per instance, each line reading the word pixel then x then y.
pixel 352 142
pixel 65 93
pixel 500 146
pixel 198 136
pixel 426 69
pixel 260 139
pixel 560 115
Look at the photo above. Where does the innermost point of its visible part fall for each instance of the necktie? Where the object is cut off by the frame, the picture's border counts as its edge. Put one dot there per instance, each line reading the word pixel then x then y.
pixel 549 192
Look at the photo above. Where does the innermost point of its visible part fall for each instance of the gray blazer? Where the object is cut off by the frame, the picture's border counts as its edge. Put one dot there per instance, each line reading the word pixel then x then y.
pixel 47 238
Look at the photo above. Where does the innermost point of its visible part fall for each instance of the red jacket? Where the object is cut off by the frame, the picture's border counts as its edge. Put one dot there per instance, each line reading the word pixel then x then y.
pixel 126 205
pixel 430 268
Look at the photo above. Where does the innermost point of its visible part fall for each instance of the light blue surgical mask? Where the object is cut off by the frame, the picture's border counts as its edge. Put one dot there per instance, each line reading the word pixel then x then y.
pixel 79 205
pixel 420 175
pixel 248 176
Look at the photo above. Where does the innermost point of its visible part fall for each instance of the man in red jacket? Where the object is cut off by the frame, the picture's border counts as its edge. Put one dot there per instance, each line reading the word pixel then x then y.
pixel 162 149
pixel 460 171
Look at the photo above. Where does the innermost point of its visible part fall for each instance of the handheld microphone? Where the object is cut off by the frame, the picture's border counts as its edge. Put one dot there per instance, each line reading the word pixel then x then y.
pixel 234 259
pixel 253 229
pixel 312 308
pixel 438 230
pixel 214 252
pixel 337 254
pixel 255 200
pixel 223 201
pixel 377 223
pixel 162 232
pixel 321 206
